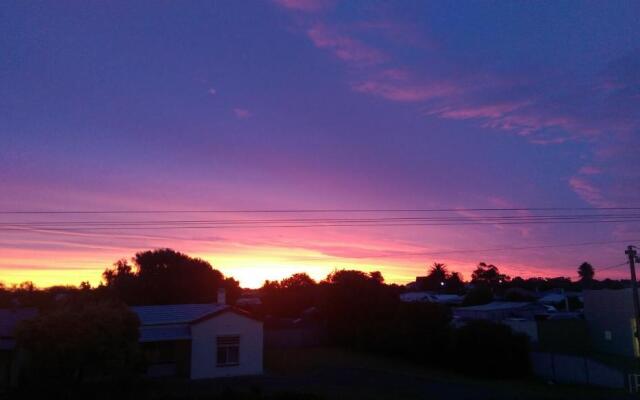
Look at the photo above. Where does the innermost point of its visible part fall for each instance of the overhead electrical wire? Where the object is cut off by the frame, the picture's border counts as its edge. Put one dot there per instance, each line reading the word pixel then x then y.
pixel 341 210
pixel 306 222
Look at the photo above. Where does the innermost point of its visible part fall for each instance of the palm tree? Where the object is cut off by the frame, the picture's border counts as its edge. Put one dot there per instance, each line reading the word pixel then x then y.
pixel 438 272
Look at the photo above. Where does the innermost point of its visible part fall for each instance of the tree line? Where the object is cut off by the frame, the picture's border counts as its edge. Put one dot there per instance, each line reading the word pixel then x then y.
pixel 83 331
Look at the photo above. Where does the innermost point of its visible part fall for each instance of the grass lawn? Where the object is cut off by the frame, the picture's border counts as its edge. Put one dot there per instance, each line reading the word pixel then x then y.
pixel 338 374
pixel 333 374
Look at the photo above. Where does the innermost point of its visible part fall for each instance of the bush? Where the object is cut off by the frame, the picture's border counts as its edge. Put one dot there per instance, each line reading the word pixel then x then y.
pixel 80 341
pixel 488 349
pixel 478 296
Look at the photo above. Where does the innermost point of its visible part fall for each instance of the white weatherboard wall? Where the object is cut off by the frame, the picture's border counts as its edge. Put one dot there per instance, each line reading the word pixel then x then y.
pixel 204 347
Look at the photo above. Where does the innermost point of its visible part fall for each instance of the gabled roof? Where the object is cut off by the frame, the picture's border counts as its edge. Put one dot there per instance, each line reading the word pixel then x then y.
pixel 176 313
pixel 173 321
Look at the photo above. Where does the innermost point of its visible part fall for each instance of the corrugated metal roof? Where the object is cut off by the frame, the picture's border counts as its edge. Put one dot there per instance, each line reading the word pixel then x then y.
pixel 161 333
pixel 175 313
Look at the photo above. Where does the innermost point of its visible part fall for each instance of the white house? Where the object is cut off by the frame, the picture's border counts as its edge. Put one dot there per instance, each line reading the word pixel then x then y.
pixel 200 340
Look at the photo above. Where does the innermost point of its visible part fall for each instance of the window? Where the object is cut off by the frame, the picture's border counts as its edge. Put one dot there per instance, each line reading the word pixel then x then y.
pixel 228 350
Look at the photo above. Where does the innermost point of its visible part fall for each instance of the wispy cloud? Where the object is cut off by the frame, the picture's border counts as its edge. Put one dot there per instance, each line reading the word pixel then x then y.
pixel 589 170
pixel 588 192
pixel 309 6
pixel 380 55
pixel 242 113
pixel 344 47
pixel 399 85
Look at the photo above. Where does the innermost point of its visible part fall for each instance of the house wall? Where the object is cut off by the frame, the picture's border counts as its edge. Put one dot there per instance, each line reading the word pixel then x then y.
pixel 609 314
pixel 168 358
pixel 204 346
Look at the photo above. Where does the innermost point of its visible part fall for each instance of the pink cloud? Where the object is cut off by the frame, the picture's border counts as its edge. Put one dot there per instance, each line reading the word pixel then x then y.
pixel 398 85
pixel 304 5
pixel 589 170
pixel 241 113
pixel 344 47
pixel 588 192
pixel 496 110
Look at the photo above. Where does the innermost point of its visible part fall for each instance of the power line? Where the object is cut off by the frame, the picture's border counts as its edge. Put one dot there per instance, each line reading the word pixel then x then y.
pixel 500 218
pixel 613 266
pixel 317 225
pixel 341 210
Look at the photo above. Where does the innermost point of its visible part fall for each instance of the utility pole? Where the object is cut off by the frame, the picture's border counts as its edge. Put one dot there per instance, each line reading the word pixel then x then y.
pixel 633 257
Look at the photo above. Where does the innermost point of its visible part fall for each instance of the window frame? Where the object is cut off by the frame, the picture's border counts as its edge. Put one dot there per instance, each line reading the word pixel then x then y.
pixel 229 343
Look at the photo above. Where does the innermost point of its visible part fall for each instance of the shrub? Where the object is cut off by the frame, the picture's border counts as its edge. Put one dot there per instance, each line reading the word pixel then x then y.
pixel 488 349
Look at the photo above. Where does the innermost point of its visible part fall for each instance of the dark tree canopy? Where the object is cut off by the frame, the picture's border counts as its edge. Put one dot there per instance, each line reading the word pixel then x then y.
pixel 488 275
pixel 586 272
pixel 290 296
pixel 80 340
pixel 454 284
pixel 440 279
pixel 165 276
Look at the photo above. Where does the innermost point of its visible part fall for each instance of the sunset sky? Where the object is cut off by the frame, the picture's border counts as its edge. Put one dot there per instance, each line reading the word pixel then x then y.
pixel 317 105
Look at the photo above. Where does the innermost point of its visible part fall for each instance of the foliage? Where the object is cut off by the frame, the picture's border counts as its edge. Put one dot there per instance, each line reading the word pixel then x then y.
pixel 79 340
pixel 478 296
pixel 586 273
pixel 488 275
pixel 289 297
pixel 354 303
pixel 440 279
pixel 488 349
pixel 454 284
pixel 165 276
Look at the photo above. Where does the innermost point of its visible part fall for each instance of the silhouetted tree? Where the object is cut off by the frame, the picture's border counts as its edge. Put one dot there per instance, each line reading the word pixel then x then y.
pixel 586 273
pixel 290 296
pixel 165 276
pixel 488 275
pixel 435 278
pixel 355 303
pixel 79 340
pixel 454 284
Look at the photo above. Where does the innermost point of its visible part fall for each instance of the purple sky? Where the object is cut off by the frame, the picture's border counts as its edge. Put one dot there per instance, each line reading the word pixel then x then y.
pixel 301 104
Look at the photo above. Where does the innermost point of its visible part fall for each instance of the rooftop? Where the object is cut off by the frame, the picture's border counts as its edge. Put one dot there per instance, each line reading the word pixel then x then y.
pixel 175 313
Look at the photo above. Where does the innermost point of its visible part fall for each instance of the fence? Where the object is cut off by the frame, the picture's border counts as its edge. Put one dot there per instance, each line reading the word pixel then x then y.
pixel 564 368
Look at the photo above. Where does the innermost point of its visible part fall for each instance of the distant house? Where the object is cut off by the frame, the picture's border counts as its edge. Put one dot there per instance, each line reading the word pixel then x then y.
pixel 9 357
pixel 554 297
pixel 610 320
pixel 430 297
pixel 200 340
pixel 498 311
